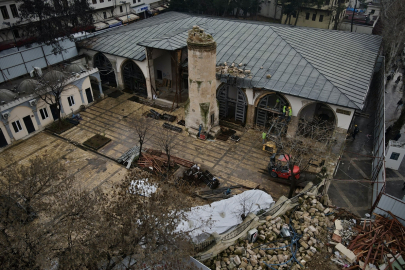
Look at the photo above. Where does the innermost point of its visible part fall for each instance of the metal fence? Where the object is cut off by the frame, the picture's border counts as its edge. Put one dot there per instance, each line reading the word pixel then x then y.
pixel 22 62
pixel 382 203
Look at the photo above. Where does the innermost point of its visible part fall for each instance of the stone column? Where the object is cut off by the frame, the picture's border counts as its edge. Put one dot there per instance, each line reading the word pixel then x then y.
pixel 250 116
pixel 101 89
pixel 150 80
pixel 292 127
pixel 202 108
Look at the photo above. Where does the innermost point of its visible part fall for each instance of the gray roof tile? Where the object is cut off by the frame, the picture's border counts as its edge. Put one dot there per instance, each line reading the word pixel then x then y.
pixel 331 66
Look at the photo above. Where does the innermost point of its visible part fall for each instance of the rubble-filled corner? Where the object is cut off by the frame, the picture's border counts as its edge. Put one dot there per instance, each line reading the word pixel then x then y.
pixel 316 236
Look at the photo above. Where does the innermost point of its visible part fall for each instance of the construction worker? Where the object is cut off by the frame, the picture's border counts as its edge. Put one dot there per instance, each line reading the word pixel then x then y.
pixel 289 113
pixel 264 134
pixel 355 131
pixel 277 103
pixel 284 109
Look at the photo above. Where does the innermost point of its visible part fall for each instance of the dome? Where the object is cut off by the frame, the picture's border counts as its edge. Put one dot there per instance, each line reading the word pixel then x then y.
pixel 7 95
pixel 27 86
pixel 54 75
pixel 75 68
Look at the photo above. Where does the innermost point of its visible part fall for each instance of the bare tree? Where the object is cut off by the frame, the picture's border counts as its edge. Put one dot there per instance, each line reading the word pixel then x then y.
pixel 166 140
pixel 28 193
pixel 312 140
pixel 143 127
pixel 53 21
pixel 50 87
pixel 134 224
pixel 393 32
pixel 142 224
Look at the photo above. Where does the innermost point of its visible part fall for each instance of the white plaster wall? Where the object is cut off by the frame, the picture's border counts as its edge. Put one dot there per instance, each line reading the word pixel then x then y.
pixel 5 133
pixel 71 91
pixel 18 113
pixel 391 163
pixel 41 104
pixel 86 84
pixel 163 63
pixel 249 95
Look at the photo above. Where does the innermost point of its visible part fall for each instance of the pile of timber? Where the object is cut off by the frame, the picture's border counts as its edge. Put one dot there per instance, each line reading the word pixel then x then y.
pixel 378 240
pixel 158 160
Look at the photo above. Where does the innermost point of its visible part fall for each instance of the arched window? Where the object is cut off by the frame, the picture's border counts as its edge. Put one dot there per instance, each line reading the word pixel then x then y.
pixel 133 78
pixel 106 70
pixel 232 104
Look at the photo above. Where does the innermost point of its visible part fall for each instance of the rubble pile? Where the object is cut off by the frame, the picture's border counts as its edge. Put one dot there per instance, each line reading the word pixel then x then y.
pixel 238 70
pixel 380 243
pixel 285 242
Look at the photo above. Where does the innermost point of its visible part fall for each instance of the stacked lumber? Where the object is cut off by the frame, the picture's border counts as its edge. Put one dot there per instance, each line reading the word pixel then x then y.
pixel 378 239
pixel 157 160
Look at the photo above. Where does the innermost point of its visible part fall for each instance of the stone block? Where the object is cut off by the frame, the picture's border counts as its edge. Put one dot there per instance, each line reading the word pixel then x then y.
pixel 347 253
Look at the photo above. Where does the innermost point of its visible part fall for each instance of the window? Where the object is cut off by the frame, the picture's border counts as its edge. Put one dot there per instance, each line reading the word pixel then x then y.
pixel 139 1
pixel 44 113
pixel 94 1
pixel 71 101
pixel 121 10
pixel 321 18
pixel 4 12
pixel 307 16
pixel 17 126
pixel 394 156
pixel 134 1
pixel 313 17
pixel 105 15
pixel 101 1
pixel 372 11
pixel 159 74
pixel 16 33
pixel 14 10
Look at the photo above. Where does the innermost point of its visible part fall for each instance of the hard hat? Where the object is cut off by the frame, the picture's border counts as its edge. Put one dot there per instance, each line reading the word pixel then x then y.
pixel 355 125
pixel 289 107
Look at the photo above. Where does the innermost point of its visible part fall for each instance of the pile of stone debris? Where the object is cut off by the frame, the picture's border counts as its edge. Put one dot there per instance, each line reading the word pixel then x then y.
pixel 285 242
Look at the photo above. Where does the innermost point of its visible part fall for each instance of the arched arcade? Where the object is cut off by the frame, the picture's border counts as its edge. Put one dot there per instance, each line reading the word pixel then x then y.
pixel 105 68
pixel 232 103
pixel 133 78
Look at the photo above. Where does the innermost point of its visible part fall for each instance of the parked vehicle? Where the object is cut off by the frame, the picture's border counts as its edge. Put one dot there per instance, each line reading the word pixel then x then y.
pixel 280 168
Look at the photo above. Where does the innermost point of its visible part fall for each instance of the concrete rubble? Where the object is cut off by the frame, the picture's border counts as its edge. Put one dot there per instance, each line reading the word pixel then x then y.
pixel 306 223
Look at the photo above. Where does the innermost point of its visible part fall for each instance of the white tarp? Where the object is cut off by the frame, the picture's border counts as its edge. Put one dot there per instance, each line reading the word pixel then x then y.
pixel 129 18
pixel 224 214
pixel 100 25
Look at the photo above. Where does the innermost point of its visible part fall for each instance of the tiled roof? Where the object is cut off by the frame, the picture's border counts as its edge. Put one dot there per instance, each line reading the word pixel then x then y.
pixel 331 66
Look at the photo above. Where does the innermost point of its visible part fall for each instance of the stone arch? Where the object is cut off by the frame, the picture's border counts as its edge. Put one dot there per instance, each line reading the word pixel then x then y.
pixel 133 78
pixel 232 103
pixel 106 70
pixel 317 109
pixel 268 107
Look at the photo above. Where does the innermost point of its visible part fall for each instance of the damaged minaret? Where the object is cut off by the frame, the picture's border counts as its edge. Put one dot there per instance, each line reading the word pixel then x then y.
pixel 202 108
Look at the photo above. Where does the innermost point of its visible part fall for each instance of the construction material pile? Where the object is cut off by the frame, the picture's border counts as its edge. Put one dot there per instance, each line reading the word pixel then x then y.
pixel 158 161
pixel 129 156
pixel 379 243
pixel 289 241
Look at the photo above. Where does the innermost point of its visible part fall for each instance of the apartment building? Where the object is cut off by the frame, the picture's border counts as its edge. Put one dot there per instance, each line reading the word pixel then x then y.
pixel 324 16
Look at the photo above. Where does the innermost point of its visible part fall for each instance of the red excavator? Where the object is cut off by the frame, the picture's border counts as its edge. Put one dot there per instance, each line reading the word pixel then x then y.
pixel 279 168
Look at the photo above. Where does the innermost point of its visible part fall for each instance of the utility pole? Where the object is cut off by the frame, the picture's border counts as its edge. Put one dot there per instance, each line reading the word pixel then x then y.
pixel 354 11
pixel 126 9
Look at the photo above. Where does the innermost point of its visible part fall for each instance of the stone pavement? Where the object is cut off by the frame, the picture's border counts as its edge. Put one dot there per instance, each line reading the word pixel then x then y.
pixel 233 163
pixel 90 170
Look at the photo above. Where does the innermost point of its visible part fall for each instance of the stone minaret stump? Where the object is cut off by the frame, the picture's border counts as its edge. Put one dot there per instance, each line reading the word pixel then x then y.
pixel 202 108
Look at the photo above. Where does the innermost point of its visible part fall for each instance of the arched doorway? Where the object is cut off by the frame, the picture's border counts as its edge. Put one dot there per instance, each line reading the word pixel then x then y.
pixel 232 104
pixel 316 114
pixel 106 70
pixel 268 108
pixel 133 78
